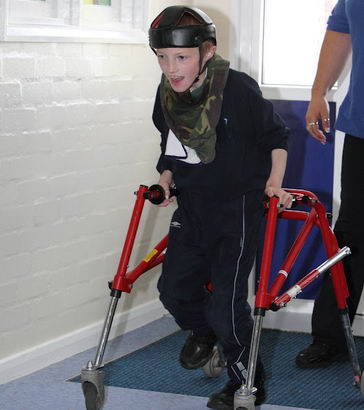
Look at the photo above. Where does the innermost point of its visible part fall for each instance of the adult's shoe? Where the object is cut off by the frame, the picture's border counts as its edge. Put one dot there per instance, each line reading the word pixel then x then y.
pixel 318 355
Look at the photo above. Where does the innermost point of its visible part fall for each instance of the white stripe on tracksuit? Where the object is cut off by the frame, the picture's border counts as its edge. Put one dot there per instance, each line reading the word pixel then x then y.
pixel 240 366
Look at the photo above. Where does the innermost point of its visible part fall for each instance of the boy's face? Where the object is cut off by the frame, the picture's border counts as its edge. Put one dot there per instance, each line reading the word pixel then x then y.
pixel 181 66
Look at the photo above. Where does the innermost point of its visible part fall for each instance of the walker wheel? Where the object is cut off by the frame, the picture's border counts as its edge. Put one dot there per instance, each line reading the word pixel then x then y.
pixel 93 388
pixel 92 402
pixel 213 367
pixel 244 402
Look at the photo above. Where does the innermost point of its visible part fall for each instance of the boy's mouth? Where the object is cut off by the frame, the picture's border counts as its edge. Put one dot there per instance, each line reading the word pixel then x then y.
pixel 175 80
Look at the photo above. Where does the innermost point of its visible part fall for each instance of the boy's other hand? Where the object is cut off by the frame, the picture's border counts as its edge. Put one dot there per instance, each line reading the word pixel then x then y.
pixel 165 181
pixel 168 199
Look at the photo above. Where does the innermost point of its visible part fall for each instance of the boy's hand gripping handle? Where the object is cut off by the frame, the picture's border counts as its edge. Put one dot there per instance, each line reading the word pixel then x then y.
pixel 156 194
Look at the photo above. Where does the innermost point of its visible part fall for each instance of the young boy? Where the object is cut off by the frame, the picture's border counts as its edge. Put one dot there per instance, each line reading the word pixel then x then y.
pixel 223 147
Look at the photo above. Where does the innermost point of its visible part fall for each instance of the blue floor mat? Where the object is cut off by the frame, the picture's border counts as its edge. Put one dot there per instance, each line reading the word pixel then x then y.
pixel 156 368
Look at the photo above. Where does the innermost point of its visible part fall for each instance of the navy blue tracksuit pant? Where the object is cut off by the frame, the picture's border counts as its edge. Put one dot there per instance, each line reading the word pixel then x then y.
pixel 213 241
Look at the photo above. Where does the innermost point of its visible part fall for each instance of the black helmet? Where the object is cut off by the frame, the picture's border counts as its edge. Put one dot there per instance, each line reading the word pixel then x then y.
pixel 164 31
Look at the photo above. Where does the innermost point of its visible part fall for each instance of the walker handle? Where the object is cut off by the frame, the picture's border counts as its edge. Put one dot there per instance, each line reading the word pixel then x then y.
pixel 156 194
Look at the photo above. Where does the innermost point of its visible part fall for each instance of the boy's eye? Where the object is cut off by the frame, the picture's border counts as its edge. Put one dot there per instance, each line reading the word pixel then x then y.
pixel 182 57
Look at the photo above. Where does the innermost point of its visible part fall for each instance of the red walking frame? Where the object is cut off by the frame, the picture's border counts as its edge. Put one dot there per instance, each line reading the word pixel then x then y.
pixel 269 298
pixel 266 298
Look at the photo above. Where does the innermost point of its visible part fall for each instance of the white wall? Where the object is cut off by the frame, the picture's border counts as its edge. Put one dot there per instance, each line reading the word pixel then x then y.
pixel 76 139
pixel 221 12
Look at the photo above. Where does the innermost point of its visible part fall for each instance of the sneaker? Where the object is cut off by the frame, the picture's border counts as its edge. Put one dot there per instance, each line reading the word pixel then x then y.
pixel 318 355
pixel 224 399
pixel 197 351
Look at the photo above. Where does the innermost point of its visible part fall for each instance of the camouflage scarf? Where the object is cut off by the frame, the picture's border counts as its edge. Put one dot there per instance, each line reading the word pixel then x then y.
pixel 194 122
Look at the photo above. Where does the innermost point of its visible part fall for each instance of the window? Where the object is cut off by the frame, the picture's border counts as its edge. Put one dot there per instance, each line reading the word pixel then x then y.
pixel 292 38
pixel 279 44
pixel 99 2
pixel 74 20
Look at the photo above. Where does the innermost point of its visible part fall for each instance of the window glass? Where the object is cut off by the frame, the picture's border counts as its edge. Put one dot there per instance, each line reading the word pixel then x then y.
pixel 292 37
pixel 121 21
pixel 32 8
pixel 98 2
pixel 94 14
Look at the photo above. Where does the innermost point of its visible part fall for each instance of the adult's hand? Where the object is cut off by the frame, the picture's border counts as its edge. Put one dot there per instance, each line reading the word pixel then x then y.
pixel 318 118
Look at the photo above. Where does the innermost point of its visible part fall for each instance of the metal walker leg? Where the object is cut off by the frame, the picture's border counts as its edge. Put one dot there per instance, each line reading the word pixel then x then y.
pixel 92 378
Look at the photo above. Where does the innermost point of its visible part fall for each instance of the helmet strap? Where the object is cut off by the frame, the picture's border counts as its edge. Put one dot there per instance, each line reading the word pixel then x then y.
pixel 202 68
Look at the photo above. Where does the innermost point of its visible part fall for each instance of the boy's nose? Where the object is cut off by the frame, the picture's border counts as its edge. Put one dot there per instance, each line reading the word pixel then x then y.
pixel 172 67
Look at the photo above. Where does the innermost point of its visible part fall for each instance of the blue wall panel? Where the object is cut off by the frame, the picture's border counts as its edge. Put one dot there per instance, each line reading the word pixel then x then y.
pixel 311 167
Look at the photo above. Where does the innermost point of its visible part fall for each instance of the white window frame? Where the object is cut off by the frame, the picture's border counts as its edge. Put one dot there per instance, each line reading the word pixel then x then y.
pixel 248 52
pixel 131 27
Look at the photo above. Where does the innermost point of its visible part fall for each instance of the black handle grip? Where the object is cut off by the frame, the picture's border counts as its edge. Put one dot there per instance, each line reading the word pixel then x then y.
pixel 156 194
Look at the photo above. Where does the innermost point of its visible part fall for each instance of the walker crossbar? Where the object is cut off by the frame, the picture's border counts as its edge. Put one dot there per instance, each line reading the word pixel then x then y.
pixel 266 298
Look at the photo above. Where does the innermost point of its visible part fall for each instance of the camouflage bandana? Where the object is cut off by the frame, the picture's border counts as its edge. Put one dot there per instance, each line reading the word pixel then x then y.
pixel 194 122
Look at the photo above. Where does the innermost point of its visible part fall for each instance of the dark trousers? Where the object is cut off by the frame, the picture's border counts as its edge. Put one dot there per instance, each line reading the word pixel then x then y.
pixel 349 230
pixel 213 241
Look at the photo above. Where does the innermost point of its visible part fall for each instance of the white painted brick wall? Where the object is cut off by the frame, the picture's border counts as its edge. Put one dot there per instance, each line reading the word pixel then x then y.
pixel 76 139
pixel 19 67
pixel 10 94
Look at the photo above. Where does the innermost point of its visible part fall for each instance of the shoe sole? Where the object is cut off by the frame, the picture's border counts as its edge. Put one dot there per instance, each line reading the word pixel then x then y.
pixel 197 365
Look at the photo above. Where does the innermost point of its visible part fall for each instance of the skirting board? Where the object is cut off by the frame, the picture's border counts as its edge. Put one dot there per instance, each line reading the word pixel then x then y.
pixel 295 317
pixel 38 357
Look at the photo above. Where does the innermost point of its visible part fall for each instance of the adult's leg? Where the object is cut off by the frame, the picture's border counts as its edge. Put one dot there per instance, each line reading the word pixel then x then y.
pixel 326 323
pixel 328 336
